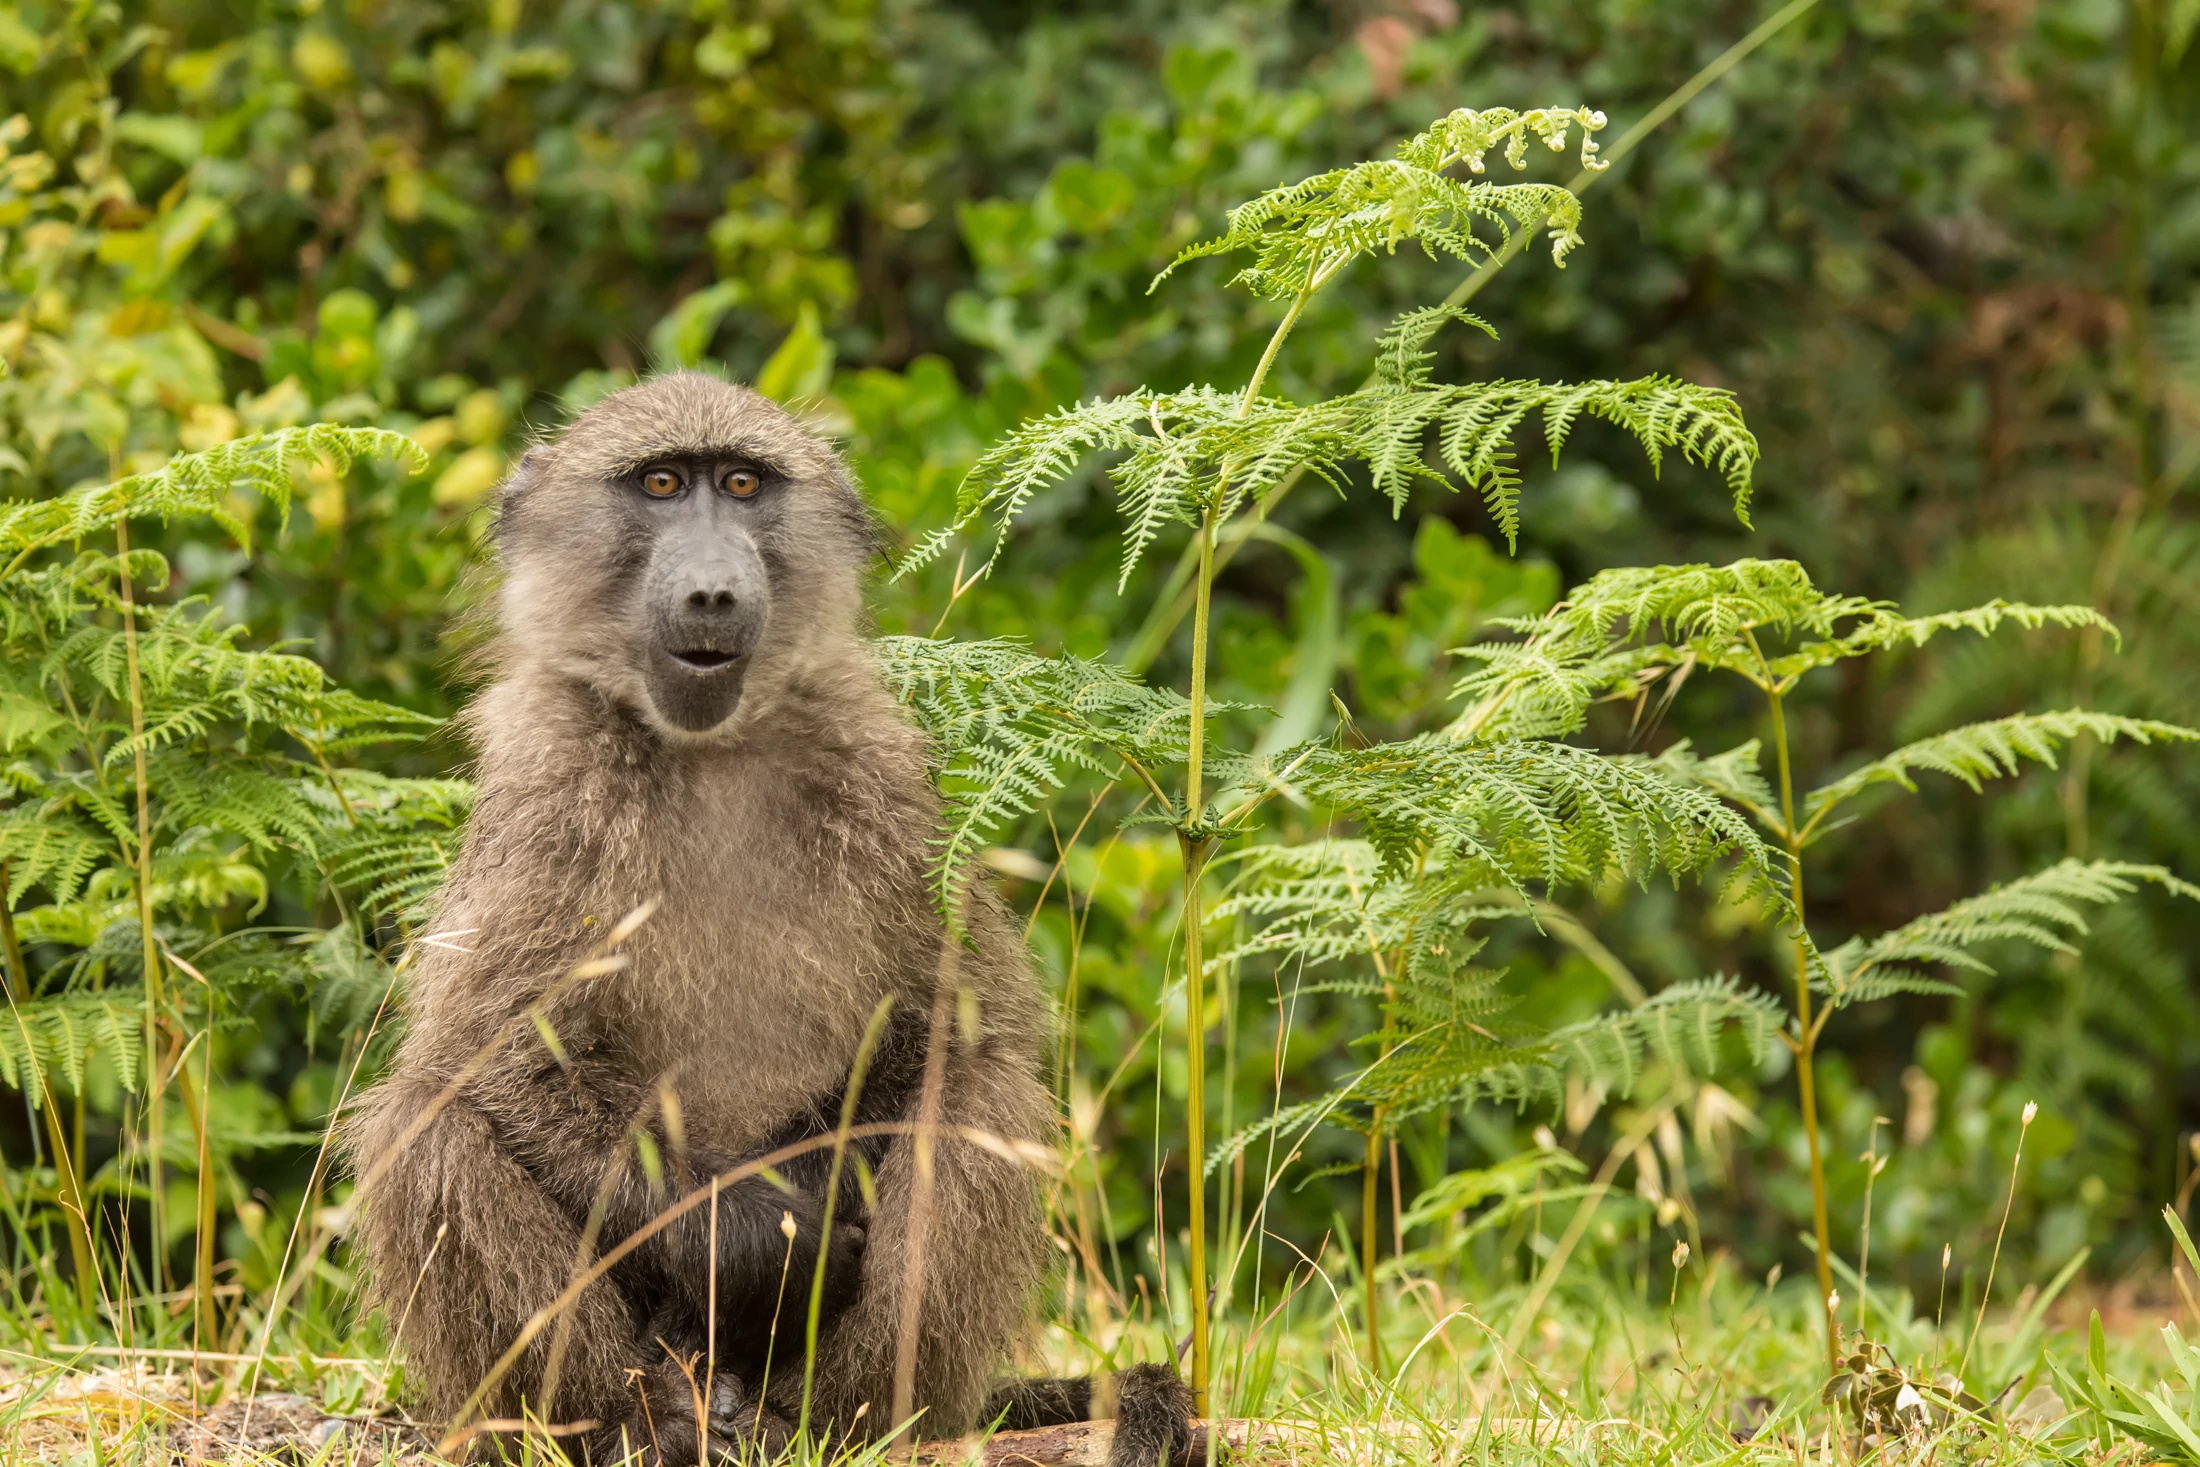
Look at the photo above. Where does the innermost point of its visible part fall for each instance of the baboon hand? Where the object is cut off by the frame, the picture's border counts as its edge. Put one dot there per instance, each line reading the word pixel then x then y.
pixel 785 1292
pixel 733 1425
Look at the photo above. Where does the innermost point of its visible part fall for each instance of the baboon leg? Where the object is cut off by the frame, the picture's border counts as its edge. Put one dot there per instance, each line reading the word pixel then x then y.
pixel 463 1248
pixel 984 1250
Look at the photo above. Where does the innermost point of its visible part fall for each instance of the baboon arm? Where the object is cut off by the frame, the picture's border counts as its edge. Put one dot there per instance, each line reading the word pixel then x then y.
pixel 463 1247
pixel 582 1128
pixel 984 1248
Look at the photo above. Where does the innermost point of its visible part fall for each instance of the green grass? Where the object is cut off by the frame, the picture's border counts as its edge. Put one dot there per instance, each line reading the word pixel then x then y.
pixel 1711 1368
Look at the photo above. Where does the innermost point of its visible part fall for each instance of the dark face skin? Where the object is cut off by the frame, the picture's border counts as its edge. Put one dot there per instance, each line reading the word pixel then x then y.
pixel 703 522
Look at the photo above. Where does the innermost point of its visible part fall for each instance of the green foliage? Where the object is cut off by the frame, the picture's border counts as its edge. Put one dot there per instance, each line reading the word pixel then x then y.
pixel 1962 335
pixel 160 770
pixel 59 1034
pixel 2165 1420
pixel 1007 728
pixel 1201 452
pixel 1982 751
pixel 1301 235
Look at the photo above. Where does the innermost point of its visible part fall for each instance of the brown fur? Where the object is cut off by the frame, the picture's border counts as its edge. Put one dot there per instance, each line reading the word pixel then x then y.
pixel 787 850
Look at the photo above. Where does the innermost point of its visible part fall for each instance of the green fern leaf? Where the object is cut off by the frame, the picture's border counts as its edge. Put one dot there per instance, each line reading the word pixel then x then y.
pixel 42 1036
pixel 1300 235
pixel 198 484
pixel 1983 751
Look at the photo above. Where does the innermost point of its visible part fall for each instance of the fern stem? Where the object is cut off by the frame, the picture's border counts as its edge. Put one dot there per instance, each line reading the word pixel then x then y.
pixel 1275 344
pixel 1806 1031
pixel 1370 1169
pixel 155 1089
pixel 1194 849
pixel 70 1185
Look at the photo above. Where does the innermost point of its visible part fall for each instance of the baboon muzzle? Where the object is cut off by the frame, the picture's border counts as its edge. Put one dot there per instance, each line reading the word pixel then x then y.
pixel 708 597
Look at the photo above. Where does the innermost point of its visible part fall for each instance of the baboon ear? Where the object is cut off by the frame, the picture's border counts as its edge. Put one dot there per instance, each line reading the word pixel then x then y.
pixel 513 493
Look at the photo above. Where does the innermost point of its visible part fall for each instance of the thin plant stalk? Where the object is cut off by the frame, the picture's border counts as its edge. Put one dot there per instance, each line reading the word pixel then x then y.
pixel 1804 1042
pixel 203 1332
pixel 917 1242
pixel 149 945
pixel 2024 1124
pixel 1370 1169
pixel 861 1067
pixel 1874 1164
pixel 1195 848
pixel 70 1184
pixel 779 1302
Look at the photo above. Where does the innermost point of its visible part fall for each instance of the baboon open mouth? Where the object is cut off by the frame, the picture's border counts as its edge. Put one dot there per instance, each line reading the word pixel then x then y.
pixel 705 659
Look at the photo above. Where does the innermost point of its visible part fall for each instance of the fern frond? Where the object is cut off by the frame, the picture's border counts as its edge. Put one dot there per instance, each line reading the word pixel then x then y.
pixel 1982 751
pixel 1731 776
pixel 1623 629
pixel 1007 727
pixel 2044 909
pixel 1037 454
pixel 42 846
pixel 199 484
pixel 1884 628
pixel 41 1036
pixel 1515 811
pixel 387 841
pixel 1302 233
pixel 1402 357
pixel 261 806
pixel 1184 451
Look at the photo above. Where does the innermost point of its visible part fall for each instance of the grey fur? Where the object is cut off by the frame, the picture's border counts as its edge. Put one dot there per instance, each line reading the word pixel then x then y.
pixel 787 849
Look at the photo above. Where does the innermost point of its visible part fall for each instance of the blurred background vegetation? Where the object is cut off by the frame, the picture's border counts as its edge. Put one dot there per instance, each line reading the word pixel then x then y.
pixel 1947 255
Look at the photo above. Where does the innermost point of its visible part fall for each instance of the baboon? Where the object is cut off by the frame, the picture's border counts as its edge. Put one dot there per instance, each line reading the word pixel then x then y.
pixel 681 710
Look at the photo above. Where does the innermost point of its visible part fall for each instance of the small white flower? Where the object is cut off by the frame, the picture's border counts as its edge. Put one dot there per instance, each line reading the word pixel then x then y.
pixel 1680 1254
pixel 1907 1399
pixel 2031 1110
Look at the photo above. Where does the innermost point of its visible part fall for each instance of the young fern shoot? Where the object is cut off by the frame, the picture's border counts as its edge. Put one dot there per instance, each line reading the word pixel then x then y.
pixel 1198 456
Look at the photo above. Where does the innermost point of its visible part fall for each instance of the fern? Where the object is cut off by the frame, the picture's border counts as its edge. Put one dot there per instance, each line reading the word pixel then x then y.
pixel 1185 453
pixel 1983 751
pixel 1683 1026
pixel 389 842
pixel 114 709
pixel 1302 234
pixel 198 484
pixel 1448 832
pixel 1522 810
pixel 1007 727
pixel 42 1036
pixel 1623 631
pixel 1340 904
pixel 1196 456
pixel 2044 909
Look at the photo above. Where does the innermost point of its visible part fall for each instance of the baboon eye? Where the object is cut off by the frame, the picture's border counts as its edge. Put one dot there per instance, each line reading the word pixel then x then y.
pixel 741 483
pixel 661 483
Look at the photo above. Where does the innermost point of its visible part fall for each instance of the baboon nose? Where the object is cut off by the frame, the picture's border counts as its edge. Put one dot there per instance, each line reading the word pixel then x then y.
pixel 720 600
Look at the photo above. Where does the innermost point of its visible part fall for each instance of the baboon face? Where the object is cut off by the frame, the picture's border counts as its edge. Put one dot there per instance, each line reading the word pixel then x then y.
pixel 681 547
